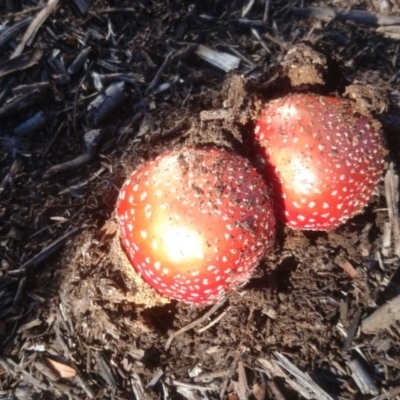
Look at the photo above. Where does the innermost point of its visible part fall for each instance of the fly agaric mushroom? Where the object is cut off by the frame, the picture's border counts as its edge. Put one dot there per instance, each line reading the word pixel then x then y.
pixel 321 157
pixel 195 222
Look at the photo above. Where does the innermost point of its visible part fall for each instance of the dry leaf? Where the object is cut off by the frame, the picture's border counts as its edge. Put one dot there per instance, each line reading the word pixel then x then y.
pixel 108 229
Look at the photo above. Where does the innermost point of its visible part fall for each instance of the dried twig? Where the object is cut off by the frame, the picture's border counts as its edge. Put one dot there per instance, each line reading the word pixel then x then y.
pixel 303 379
pixel 198 321
pixel 213 322
pixel 20 291
pixel 352 331
pixel 392 199
pixel 174 382
pixel 27 376
pixel 49 250
pixel 392 392
pixel 266 10
pixel 254 31
pixel 243 387
pixel 79 381
pixel 137 386
pixel 362 378
pixel 34 27
pixel 247 8
pixel 231 371
pixel 208 376
pixel 92 140
pixel 154 380
pixel 160 71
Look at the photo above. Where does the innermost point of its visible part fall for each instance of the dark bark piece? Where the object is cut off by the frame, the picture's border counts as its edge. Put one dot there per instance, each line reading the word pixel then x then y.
pixel 6 90
pixel 250 22
pixel 340 14
pixel 100 80
pixel 352 331
pixel 105 372
pixel 106 103
pixel 59 75
pixel 275 390
pixel 79 6
pixel 13 30
pixel 79 61
pixel 13 5
pixel 20 63
pixel 9 176
pixel 32 124
pixel 20 103
pixel 20 292
pixel 26 89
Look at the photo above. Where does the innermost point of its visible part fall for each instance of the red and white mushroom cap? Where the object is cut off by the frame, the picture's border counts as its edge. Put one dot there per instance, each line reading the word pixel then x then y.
pixel 195 222
pixel 322 158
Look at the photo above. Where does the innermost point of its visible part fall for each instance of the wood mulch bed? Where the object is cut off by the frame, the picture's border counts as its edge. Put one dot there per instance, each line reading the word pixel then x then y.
pixel 88 90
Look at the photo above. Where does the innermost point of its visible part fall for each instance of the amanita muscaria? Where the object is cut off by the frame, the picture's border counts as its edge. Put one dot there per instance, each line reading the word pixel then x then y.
pixel 322 158
pixel 195 222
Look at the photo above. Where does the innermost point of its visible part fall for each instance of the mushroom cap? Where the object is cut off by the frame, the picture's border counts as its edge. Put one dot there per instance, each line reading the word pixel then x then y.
pixel 195 222
pixel 323 159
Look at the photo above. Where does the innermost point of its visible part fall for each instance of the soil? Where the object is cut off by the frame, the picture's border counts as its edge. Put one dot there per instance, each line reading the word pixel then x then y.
pixel 75 320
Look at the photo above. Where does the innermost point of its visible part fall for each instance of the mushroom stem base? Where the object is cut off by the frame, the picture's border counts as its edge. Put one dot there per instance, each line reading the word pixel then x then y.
pixel 142 294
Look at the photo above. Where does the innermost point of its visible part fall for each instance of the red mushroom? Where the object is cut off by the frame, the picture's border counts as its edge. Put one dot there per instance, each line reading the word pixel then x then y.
pixel 195 222
pixel 322 158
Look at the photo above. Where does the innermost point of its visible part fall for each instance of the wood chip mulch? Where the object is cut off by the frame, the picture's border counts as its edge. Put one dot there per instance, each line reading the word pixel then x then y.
pixel 88 91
